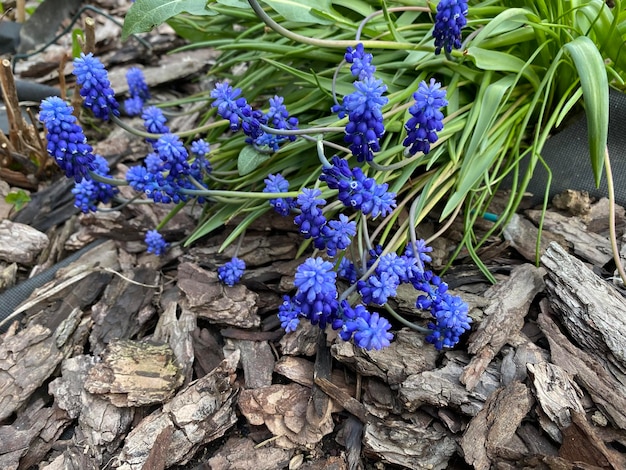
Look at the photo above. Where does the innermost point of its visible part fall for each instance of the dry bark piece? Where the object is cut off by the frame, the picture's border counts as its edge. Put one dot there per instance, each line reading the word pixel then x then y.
pixel 588 245
pixel 494 426
pixel 198 414
pixel 257 361
pixel 503 318
pixel 302 342
pixel 556 393
pixel 240 454
pixel 522 235
pixel 177 332
pixel 211 300
pixel 604 389
pixel 576 203
pixel 27 359
pixel 287 411
pixel 441 387
pixel 120 312
pixel 102 424
pixel 580 444
pixel 407 355
pixel 414 446
pixel 20 243
pixel 135 373
pixel 27 440
pixel 589 308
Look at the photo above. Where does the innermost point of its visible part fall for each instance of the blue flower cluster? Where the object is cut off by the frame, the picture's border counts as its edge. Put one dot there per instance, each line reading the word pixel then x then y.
pixel 356 190
pixel 138 91
pixel 231 272
pixel 155 243
pixel 235 108
pixel 95 86
pixel 88 192
pixel 426 117
pixel 66 141
pixel 166 172
pixel 316 298
pixel 450 19
pixel 278 184
pixel 363 107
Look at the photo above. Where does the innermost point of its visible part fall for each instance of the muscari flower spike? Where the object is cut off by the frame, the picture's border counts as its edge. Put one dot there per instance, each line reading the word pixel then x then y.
pixel 449 21
pixel 95 86
pixel 231 272
pixel 66 141
pixel 363 107
pixel 426 117
pixel 155 243
pixel 88 193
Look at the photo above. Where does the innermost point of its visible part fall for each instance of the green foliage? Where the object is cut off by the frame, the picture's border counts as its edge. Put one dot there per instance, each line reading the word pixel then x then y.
pixel 526 65
pixel 19 199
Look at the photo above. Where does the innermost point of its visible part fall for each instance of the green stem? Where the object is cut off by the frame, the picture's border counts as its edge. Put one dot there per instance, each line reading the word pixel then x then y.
pixel 338 44
pixel 404 321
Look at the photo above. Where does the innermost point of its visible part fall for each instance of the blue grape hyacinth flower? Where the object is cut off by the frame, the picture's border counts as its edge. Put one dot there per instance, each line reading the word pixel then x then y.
pixel 426 117
pixel 66 141
pixel 155 242
pixel 231 272
pixel 449 21
pixel 95 86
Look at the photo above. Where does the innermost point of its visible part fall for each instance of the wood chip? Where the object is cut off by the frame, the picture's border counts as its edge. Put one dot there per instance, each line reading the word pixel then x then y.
pixel 211 300
pixel 286 410
pixel 495 425
pixel 441 387
pixel 590 373
pixel 556 392
pixel 20 243
pixel 589 308
pixel 134 373
pixel 504 317
pixel 407 355
pixel 198 414
pixel 590 246
pixel 411 445
pixel 241 454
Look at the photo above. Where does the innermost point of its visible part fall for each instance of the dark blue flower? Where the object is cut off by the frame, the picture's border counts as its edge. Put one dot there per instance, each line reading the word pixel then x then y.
pixel 451 321
pixel 88 193
pixel 137 86
pixel 357 190
pixel 139 177
pixel 200 148
pixel 361 62
pixel 95 86
pixel 133 106
pixel 364 110
pixel 236 110
pixel 378 287
pixel 155 242
pixel 66 141
pixel 231 272
pixel 173 153
pixel 154 121
pixel 278 184
pixel 289 314
pixel 369 330
pixel 336 235
pixel 449 21
pixel 426 117
pixel 347 270
pixel 311 219
pixel 315 276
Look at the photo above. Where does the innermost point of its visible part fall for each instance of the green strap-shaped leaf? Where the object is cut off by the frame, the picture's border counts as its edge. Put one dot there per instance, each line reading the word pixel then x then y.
pixel 300 10
pixel 144 15
pixel 594 82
